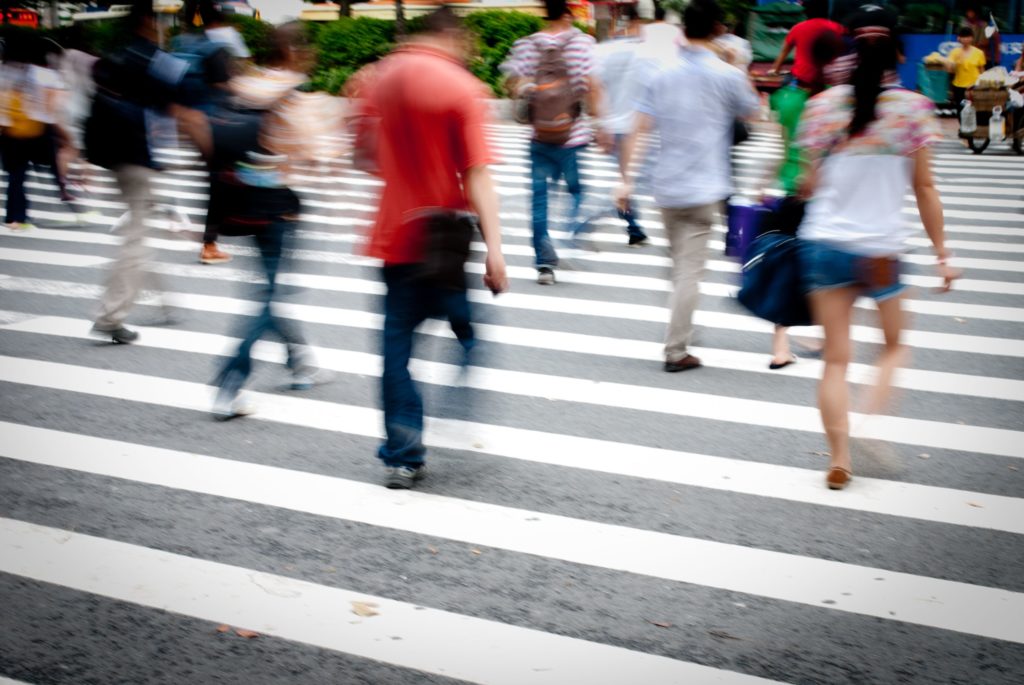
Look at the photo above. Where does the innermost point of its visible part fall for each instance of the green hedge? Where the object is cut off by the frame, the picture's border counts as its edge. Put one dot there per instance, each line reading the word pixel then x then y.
pixel 496 31
pixel 346 45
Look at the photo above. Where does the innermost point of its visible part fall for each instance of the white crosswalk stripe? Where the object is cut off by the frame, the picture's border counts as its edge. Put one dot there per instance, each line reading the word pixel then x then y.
pixel 566 460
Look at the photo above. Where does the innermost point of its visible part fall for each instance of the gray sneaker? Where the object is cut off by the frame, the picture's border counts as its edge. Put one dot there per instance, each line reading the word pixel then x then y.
pixel 121 335
pixel 546 275
pixel 403 477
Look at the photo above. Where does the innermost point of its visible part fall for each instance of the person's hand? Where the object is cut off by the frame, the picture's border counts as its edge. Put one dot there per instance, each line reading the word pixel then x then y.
pixel 621 195
pixel 605 140
pixel 772 72
pixel 495 277
pixel 948 274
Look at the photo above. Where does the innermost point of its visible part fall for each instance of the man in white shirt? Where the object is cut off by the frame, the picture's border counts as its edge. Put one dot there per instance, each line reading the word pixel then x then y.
pixel 693 106
pixel 623 74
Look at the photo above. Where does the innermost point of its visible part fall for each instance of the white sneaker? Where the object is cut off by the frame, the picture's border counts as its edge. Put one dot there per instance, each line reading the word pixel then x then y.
pixel 226 407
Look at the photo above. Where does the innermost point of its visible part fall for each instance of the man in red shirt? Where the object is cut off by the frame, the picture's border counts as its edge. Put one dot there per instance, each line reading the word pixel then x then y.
pixel 421 125
pixel 806 70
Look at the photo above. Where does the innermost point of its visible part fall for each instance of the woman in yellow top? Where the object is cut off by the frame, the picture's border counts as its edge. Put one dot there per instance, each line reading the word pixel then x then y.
pixel 966 62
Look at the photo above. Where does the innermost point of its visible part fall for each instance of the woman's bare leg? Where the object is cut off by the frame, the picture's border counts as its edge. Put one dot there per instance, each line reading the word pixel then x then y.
pixel 894 354
pixel 832 309
pixel 780 346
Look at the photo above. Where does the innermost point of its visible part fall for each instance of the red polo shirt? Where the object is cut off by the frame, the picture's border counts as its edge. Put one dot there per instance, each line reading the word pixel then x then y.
pixel 802 37
pixel 430 113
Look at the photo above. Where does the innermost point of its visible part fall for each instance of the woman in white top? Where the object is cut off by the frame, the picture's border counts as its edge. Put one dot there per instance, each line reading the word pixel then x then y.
pixel 866 143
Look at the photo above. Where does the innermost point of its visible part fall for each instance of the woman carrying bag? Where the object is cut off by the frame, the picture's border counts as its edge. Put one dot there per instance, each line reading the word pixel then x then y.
pixel 865 143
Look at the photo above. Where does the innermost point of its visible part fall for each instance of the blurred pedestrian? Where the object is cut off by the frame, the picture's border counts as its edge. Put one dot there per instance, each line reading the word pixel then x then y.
pixel 807 74
pixel 211 54
pixel 76 65
pixel 788 103
pixel 621 70
pixel 692 177
pixel 985 33
pixel 29 107
pixel 865 144
pixel 255 153
pixel 137 104
pixel 422 121
pixel 966 63
pixel 552 71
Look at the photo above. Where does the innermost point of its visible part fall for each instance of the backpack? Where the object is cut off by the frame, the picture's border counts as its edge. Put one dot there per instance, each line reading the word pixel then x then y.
pixel 19 124
pixel 197 50
pixel 115 130
pixel 554 105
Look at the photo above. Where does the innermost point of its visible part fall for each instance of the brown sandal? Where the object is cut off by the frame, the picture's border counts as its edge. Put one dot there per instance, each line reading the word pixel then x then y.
pixel 838 478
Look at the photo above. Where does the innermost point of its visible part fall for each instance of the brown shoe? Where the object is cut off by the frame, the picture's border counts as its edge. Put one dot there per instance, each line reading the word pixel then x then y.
pixel 211 255
pixel 838 478
pixel 685 364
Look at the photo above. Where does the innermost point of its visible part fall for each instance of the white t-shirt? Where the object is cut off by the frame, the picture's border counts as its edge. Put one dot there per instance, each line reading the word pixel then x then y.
pixel 858 202
pixel 622 89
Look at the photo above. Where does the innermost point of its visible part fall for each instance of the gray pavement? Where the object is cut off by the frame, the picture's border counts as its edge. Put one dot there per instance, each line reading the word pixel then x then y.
pixel 588 518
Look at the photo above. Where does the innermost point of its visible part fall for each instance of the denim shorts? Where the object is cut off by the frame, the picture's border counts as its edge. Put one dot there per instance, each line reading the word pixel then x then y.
pixel 825 268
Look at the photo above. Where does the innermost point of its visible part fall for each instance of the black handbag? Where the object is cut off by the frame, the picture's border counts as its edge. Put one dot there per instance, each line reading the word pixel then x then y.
pixel 772 287
pixel 447 237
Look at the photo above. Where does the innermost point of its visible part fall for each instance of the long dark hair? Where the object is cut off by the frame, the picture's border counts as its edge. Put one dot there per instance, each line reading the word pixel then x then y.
pixel 876 54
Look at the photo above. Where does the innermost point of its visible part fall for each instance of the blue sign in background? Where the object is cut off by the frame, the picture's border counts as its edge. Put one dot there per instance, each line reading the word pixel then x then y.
pixel 917 46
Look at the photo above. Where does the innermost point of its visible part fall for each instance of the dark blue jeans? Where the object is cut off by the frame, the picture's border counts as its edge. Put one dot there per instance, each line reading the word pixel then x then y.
pixel 548 164
pixel 605 205
pixel 271 244
pixel 408 302
pixel 17 155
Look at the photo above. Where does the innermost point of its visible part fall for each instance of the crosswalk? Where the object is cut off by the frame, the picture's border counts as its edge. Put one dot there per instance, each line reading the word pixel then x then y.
pixel 588 518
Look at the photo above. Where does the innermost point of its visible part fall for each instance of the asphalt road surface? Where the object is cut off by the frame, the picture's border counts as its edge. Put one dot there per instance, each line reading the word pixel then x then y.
pixel 588 518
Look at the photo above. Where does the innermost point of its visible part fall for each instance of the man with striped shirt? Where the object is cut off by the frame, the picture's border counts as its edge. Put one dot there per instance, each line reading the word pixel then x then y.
pixel 553 162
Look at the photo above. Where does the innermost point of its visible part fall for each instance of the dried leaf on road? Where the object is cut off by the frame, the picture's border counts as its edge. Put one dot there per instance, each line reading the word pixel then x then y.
pixel 924 456
pixel 223 628
pixel 476 551
pixel 364 609
pixel 661 624
pixel 432 549
pixel 723 635
pixel 247 634
pixel 975 505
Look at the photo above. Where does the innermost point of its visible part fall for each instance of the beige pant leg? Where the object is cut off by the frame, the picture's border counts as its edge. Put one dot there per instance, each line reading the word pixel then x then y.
pixel 688 232
pixel 127 274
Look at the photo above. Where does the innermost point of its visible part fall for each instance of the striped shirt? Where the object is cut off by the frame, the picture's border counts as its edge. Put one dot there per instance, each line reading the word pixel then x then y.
pixel 578 52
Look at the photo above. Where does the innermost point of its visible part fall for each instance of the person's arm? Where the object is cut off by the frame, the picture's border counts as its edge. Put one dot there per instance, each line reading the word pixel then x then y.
pixel 632 148
pixel 595 105
pixel 194 125
pixel 484 199
pixel 783 54
pixel 929 205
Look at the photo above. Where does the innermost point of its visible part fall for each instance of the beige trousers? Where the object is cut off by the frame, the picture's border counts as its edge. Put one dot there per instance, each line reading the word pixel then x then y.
pixel 688 229
pixel 128 275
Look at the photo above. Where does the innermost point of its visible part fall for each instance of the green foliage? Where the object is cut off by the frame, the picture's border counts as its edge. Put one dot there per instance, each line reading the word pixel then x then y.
pixel 332 79
pixel 924 18
pixel 353 42
pixel 257 35
pixel 495 32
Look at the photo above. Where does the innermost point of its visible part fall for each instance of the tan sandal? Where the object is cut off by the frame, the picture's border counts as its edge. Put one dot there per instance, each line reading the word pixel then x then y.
pixel 838 478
